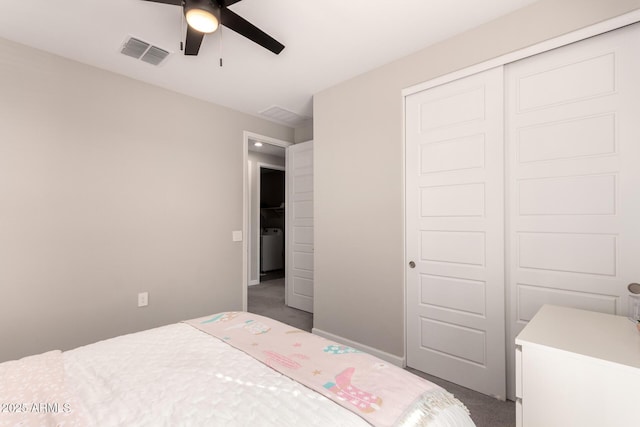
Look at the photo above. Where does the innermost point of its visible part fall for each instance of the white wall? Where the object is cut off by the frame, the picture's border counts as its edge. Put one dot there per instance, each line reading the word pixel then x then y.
pixel 108 187
pixel 254 209
pixel 358 161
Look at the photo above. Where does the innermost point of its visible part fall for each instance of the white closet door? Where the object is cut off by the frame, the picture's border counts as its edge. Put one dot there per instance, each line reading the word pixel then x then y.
pixel 573 127
pixel 299 278
pixel 455 232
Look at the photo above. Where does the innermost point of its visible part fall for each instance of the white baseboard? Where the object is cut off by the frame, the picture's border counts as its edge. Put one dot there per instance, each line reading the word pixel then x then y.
pixel 254 282
pixel 391 358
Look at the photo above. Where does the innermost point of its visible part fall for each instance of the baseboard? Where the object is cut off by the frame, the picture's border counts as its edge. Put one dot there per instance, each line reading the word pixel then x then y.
pixel 254 282
pixel 391 358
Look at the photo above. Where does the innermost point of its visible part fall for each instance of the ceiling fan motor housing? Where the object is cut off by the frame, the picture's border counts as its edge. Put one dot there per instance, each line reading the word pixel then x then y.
pixel 204 5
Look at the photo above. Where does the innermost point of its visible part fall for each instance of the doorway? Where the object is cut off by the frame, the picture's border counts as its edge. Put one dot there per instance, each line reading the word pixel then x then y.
pixel 265 284
pixel 266 211
pixel 271 193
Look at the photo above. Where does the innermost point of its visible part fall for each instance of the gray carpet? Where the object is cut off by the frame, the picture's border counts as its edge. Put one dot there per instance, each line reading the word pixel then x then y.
pixel 267 299
pixel 485 411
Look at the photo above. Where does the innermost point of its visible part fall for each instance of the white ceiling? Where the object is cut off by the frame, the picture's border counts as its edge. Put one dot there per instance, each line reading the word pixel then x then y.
pixel 272 150
pixel 326 42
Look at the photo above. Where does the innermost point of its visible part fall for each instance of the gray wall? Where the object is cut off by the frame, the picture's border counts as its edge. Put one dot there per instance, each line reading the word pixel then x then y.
pixel 109 187
pixel 358 161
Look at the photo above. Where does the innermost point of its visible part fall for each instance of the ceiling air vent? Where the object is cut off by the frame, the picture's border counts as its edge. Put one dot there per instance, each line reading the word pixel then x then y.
pixel 143 51
pixel 154 55
pixel 285 117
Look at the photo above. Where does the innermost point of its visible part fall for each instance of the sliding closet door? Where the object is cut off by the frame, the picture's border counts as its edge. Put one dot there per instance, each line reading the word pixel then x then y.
pixel 455 232
pixel 573 132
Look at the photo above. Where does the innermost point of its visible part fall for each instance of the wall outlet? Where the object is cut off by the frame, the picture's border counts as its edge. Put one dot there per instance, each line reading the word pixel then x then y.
pixel 143 299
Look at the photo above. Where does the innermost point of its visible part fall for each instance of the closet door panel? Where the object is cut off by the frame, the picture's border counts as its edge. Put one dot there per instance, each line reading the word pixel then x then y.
pixel 573 145
pixel 455 232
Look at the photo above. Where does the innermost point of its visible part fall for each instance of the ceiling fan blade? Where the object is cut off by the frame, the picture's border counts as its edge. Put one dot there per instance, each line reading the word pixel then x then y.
pixel 174 2
pixel 250 31
pixel 226 3
pixel 193 42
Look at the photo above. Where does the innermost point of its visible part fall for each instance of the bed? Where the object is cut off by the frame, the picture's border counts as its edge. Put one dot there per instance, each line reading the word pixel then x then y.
pixel 227 369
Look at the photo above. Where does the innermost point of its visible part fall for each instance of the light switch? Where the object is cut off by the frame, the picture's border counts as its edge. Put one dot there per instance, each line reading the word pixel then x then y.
pixel 237 236
pixel 143 299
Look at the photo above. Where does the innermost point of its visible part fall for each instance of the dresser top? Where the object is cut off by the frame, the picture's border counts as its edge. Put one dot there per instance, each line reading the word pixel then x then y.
pixel 598 335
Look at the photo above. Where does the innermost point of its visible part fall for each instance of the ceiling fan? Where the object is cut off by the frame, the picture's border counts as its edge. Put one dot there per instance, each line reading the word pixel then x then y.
pixel 204 16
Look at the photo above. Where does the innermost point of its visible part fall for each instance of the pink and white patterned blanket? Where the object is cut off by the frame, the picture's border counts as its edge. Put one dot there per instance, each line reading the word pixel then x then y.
pixel 33 393
pixel 382 394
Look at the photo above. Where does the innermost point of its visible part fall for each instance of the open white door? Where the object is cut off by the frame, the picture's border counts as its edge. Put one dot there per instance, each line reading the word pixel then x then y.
pixel 455 232
pixel 299 281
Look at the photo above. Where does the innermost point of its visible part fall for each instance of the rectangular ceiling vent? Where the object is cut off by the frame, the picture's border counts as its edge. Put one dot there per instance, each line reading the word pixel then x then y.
pixel 144 51
pixel 284 116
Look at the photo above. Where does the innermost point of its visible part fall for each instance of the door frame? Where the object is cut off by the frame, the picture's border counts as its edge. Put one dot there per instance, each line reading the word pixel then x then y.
pixel 612 24
pixel 248 137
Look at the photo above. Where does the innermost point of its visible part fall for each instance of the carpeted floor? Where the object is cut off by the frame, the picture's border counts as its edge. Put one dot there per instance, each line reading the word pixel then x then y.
pixel 267 299
pixel 485 411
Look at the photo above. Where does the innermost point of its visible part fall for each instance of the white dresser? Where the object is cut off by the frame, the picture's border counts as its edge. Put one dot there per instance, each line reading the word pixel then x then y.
pixel 577 368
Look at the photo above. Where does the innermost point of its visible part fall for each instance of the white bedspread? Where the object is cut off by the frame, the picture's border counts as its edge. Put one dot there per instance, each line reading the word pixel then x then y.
pixel 179 376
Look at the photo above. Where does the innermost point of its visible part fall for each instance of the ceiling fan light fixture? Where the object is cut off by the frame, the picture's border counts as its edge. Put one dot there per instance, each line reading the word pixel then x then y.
pixel 202 16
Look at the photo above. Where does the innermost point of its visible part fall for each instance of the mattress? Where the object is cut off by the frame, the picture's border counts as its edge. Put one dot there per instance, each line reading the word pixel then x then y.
pixel 177 375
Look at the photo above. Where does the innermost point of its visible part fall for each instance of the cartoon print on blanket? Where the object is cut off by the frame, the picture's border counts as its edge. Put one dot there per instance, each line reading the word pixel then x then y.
pixel 382 394
pixel 250 325
pixel 275 359
pixel 340 349
pixel 222 317
pixel 364 401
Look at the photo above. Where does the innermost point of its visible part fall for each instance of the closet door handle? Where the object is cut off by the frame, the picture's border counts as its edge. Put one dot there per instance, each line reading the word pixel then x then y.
pixel 412 264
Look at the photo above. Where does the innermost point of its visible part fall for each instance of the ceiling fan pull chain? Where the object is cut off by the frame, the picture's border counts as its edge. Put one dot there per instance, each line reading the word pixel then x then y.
pixel 220 29
pixel 181 32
